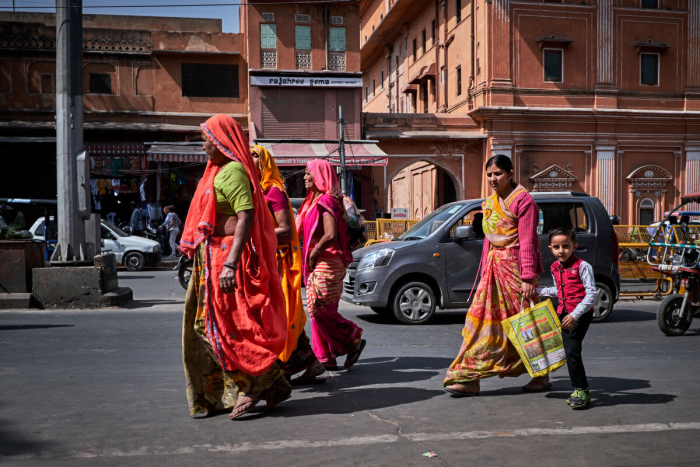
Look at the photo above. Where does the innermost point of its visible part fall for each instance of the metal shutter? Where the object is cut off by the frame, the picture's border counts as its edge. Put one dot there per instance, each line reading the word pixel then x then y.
pixel 293 113
pixel 346 98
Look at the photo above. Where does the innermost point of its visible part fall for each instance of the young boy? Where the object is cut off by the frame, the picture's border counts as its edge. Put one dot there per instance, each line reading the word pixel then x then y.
pixel 575 287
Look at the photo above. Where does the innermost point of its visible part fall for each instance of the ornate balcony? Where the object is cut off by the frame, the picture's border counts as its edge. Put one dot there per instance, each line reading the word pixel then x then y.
pixel 303 60
pixel 268 59
pixel 337 61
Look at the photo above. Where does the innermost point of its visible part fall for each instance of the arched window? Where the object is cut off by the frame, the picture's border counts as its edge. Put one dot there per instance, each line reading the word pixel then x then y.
pixel 646 211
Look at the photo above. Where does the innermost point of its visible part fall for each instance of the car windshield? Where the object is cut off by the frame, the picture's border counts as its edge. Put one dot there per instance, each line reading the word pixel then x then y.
pixel 119 232
pixel 431 223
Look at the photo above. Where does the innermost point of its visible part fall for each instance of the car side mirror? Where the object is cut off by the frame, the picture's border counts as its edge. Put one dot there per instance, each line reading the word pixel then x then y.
pixel 127 230
pixel 464 232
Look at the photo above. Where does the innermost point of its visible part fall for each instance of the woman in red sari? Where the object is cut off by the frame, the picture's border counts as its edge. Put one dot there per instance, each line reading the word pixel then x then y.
pixel 322 226
pixel 235 322
pixel 510 265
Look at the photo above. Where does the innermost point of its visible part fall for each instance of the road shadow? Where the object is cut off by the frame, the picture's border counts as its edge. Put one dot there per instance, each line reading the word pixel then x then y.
pixel 21 327
pixel 349 401
pixel 123 277
pixel 15 446
pixel 151 303
pixel 609 391
pixel 441 318
pixel 628 316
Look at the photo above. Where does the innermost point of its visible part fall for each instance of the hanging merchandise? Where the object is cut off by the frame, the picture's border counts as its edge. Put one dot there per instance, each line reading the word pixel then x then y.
pixel 116 186
pixel 116 166
pixel 142 190
pixel 102 186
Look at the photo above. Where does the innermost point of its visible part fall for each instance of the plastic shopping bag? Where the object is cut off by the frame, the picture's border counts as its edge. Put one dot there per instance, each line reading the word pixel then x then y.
pixel 536 334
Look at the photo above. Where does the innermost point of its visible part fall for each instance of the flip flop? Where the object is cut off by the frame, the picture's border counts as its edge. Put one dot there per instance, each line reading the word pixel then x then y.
pixel 331 367
pixel 455 393
pixel 544 388
pixel 250 408
pixel 355 356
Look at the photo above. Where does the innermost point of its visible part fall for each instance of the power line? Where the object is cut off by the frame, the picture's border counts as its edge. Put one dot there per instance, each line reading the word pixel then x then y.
pixel 186 5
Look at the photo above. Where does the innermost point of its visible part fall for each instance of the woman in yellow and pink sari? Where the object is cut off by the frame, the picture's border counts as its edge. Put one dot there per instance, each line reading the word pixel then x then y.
pixel 510 265
pixel 322 226
pixel 297 355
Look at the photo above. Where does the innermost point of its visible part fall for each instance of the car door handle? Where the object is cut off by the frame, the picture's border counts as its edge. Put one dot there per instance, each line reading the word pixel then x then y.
pixel 582 248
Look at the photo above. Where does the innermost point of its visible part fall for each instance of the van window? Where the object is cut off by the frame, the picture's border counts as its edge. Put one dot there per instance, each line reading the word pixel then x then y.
pixel 567 215
pixel 473 217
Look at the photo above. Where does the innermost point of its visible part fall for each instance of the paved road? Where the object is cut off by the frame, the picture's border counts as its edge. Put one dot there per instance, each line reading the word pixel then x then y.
pixel 106 387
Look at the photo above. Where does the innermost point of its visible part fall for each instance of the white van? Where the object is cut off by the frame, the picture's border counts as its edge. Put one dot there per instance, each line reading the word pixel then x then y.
pixel 133 252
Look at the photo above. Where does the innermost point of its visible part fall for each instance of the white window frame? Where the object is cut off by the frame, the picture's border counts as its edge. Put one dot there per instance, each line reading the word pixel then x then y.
pixel 544 65
pixel 658 69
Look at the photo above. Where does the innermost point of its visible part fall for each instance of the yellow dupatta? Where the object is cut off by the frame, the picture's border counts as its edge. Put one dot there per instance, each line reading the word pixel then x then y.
pixel 288 255
pixel 499 223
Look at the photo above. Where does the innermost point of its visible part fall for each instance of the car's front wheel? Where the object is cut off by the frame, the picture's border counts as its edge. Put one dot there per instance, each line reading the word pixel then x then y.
pixel 603 305
pixel 134 261
pixel 414 303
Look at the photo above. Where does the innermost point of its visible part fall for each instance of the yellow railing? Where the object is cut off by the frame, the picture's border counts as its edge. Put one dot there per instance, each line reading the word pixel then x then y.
pixel 386 229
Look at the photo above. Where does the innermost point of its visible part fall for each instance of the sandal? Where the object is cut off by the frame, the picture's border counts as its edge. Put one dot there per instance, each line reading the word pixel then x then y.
pixel 311 375
pixel 458 390
pixel 330 365
pixel 538 384
pixel 249 405
pixel 353 357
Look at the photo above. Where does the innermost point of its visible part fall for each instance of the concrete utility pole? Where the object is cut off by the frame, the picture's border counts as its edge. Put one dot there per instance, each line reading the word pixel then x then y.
pixel 341 150
pixel 71 248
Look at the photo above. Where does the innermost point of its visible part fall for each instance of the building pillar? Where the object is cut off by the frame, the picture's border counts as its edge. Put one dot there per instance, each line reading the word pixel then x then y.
pixel 606 93
pixel 692 173
pixel 501 45
pixel 692 90
pixel 605 162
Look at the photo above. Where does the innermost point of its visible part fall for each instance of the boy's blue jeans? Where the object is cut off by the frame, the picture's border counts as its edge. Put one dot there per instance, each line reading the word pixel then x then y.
pixel 573 344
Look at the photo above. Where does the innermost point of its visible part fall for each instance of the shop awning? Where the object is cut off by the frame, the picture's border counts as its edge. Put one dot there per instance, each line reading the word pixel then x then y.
pixel 177 152
pixel 356 154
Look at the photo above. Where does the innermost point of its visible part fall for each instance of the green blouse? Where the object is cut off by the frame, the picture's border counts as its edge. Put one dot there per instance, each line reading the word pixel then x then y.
pixel 232 189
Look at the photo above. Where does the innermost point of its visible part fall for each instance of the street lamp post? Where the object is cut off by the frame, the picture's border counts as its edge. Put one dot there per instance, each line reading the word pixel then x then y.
pixel 71 248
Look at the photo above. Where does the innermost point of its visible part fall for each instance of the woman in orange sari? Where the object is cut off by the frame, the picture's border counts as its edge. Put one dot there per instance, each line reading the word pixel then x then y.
pixel 510 265
pixel 297 355
pixel 234 325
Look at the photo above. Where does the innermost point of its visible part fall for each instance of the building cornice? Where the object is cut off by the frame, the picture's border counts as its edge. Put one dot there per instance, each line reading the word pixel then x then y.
pixel 481 114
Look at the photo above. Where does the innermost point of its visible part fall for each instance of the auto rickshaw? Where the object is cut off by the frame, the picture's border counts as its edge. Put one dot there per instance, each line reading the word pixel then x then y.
pixel 674 250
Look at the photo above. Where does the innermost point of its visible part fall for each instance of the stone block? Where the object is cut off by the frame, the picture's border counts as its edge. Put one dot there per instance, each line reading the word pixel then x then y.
pixel 118 297
pixel 68 287
pixel 13 301
pixel 108 264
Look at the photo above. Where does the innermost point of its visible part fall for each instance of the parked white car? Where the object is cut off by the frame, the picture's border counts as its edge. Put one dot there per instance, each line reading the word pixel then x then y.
pixel 131 251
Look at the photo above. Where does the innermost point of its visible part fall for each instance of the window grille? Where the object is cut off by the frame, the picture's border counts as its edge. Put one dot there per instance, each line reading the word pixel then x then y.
pixel 268 16
pixel 302 18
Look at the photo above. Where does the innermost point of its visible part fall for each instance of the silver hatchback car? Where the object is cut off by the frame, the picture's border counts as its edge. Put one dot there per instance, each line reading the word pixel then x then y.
pixel 435 263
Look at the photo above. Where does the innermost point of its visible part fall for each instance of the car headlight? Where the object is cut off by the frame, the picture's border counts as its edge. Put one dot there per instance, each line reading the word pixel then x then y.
pixel 156 249
pixel 376 259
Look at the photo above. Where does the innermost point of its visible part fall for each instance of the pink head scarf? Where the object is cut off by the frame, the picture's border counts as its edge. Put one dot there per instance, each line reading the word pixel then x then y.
pixel 332 200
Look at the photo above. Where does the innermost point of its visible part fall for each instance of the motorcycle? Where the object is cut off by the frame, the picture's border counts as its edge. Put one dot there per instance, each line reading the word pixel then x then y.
pixel 184 271
pixel 674 250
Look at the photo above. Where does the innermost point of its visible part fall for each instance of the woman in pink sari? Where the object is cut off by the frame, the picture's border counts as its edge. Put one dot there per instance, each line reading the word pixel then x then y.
pixel 322 226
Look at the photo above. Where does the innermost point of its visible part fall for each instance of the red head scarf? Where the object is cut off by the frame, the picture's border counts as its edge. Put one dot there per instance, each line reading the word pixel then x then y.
pixel 250 323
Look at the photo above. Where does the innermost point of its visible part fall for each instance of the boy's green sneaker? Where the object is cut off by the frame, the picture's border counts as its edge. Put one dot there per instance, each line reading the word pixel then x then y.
pixel 580 399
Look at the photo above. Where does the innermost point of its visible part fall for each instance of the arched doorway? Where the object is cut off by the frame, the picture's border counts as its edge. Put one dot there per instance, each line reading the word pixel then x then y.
pixel 421 187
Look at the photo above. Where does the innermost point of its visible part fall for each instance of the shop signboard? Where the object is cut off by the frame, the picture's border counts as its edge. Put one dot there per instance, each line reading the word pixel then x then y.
pixel 308 82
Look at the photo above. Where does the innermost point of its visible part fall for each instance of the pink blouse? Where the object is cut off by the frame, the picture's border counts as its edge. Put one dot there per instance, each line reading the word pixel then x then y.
pixel 527 253
pixel 276 199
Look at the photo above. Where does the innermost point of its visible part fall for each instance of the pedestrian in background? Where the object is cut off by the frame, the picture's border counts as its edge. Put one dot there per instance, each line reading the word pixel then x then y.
pixel 322 224
pixel 235 321
pixel 574 285
pixel 298 355
pixel 172 228
pixel 136 222
pixel 510 265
